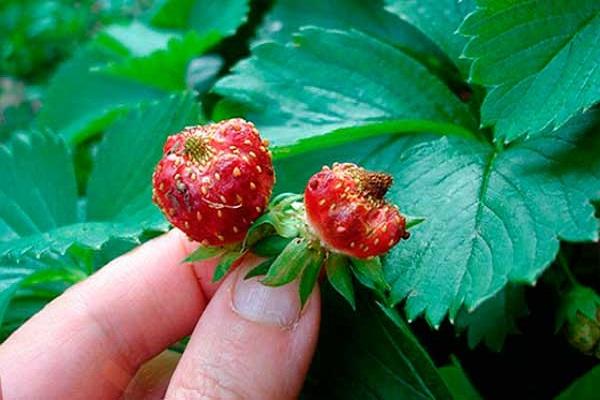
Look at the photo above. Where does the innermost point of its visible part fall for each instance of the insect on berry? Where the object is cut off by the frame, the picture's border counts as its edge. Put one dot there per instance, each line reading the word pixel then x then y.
pixel 214 180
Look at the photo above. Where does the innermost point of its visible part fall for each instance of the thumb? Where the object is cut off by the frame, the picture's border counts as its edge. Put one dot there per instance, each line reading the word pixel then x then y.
pixel 252 342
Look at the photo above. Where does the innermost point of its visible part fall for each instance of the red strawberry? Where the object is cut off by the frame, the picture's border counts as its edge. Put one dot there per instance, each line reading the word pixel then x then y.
pixel 214 180
pixel 346 209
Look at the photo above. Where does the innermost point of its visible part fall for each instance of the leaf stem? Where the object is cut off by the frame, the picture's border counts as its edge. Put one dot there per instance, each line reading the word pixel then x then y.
pixel 564 264
pixel 368 130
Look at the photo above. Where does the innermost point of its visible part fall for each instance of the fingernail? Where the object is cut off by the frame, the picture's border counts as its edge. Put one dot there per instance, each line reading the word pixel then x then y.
pixel 269 305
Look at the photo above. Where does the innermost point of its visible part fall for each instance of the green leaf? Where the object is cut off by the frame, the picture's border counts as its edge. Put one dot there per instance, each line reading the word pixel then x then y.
pixel 369 17
pixel 89 234
pixel 585 387
pixel 205 253
pixel 539 60
pixel 120 184
pixel 11 278
pixel 369 272
pixel 289 264
pixel 439 20
pixel 81 100
pixel 493 320
pixel 283 217
pixel 225 263
pixel 337 267
pixel 203 16
pixel 458 382
pixel 25 303
pixel 33 276
pixel 270 246
pixel 368 355
pixel 115 72
pixel 38 204
pixel 310 274
pixel 493 216
pixel 135 38
pixel 321 83
pixel 38 192
pixel 578 300
pixel 260 269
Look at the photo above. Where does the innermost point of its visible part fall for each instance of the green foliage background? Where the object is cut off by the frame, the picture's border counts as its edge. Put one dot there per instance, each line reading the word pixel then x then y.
pixel 484 112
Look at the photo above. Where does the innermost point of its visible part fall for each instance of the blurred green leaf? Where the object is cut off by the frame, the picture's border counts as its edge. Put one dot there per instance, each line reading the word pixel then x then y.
pixel 162 62
pixel 203 16
pixel 82 100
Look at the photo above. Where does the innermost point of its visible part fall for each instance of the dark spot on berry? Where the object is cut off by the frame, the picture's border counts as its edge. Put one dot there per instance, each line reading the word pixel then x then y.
pixel 173 199
pixel 314 184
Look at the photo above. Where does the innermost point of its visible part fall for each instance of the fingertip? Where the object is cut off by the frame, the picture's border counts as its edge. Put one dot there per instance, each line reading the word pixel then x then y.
pixel 253 341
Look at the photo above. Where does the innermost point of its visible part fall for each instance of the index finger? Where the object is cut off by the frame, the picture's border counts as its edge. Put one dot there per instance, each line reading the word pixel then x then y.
pixel 89 342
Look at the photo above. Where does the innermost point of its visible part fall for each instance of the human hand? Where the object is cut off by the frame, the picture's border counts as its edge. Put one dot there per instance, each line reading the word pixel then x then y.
pixel 95 341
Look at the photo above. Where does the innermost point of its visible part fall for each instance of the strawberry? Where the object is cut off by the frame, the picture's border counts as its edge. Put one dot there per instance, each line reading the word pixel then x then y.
pixel 345 208
pixel 214 180
pixel 341 227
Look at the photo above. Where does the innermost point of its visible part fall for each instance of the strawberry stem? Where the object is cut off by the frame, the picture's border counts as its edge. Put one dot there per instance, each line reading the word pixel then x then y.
pixel 562 261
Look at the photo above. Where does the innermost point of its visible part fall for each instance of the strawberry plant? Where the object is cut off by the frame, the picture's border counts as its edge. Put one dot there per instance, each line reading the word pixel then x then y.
pixel 483 114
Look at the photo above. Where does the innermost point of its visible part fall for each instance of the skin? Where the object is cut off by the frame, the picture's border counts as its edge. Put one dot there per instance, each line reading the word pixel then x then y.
pixel 107 336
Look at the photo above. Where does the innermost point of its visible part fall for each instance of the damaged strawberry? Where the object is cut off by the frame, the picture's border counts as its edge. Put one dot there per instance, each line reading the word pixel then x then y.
pixel 346 209
pixel 342 223
pixel 213 182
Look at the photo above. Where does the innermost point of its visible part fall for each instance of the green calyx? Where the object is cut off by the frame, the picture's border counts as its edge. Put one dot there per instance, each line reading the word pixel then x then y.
pixel 228 257
pixel 291 251
pixel 579 316
pixel 578 300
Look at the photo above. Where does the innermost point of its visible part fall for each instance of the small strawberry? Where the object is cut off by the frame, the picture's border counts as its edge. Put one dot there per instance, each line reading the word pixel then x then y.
pixel 214 180
pixel 345 208
pixel 341 227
